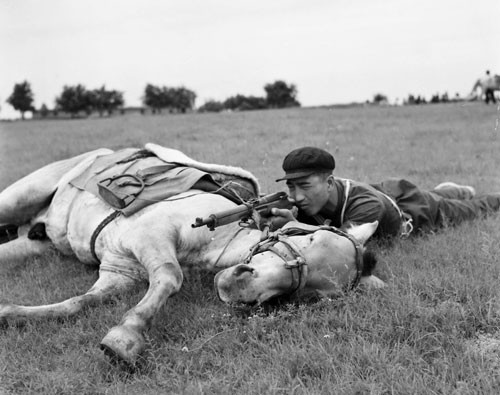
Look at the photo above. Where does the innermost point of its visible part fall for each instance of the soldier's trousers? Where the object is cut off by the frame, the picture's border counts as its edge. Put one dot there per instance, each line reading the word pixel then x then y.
pixel 431 210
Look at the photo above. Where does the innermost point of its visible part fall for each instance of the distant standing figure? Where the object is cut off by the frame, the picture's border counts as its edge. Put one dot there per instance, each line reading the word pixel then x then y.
pixel 489 84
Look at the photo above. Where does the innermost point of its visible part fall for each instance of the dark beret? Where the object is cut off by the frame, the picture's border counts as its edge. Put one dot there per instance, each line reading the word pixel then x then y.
pixel 303 162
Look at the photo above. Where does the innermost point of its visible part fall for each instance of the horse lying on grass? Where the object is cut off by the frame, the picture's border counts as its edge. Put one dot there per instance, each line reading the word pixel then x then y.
pixel 158 242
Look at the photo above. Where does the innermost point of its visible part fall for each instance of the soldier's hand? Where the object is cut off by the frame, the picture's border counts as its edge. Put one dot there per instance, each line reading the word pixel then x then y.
pixel 281 217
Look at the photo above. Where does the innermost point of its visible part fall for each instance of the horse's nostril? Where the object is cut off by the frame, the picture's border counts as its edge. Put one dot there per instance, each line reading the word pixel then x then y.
pixel 239 270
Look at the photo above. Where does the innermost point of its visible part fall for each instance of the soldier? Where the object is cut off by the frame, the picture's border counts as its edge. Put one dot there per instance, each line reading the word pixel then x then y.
pixel 398 205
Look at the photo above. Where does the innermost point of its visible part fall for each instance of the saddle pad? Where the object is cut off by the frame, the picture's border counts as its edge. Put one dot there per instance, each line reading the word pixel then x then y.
pixel 174 180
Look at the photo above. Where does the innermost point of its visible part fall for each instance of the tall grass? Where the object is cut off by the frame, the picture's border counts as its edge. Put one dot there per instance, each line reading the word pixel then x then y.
pixel 432 331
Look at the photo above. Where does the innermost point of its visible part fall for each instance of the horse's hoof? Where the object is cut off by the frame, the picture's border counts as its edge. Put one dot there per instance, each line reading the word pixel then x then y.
pixel 123 345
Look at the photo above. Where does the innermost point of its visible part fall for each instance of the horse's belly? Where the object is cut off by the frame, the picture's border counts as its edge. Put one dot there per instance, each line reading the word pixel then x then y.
pixel 71 219
pixel 86 215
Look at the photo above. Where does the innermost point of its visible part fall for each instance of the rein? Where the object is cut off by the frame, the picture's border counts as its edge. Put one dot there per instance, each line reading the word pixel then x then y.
pixel 298 265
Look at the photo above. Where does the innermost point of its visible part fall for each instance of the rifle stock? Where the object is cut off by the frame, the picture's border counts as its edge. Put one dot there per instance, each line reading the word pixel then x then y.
pixel 243 212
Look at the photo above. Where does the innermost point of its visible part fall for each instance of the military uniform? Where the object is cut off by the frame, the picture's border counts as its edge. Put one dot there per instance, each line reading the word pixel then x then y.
pixel 402 208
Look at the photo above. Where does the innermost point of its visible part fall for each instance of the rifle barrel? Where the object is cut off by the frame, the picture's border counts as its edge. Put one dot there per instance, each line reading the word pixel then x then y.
pixel 241 212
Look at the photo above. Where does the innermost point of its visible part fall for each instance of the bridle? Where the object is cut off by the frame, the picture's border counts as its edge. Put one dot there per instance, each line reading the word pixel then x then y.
pixel 298 264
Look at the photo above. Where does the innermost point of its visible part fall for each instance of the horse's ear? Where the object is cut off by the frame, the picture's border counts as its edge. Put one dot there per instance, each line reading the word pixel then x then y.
pixel 363 232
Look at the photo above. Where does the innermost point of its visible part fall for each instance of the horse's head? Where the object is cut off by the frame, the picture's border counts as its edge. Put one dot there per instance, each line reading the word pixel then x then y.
pixel 298 257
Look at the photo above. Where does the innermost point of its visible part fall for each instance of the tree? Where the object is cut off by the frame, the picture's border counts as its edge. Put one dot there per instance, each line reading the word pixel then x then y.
pixel 435 98
pixel 44 111
pixel 103 100
pixel 22 98
pixel 115 101
pixel 153 97
pixel 97 98
pixel 211 106
pixel 254 103
pixel 74 99
pixel 182 99
pixel 281 95
pixel 245 103
pixel 380 98
pixel 179 99
pixel 234 102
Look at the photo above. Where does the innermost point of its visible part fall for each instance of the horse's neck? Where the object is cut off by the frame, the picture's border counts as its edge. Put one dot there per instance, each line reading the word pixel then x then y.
pixel 330 266
pixel 232 246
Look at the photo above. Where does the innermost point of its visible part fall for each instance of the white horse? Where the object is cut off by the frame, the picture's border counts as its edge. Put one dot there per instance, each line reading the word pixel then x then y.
pixel 156 244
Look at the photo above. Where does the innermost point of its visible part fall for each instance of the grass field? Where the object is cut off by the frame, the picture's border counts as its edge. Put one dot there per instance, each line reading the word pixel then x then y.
pixel 434 330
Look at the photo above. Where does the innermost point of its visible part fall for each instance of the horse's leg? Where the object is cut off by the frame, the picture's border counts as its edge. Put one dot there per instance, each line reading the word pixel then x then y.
pixel 23 248
pixel 108 285
pixel 126 341
pixel 24 199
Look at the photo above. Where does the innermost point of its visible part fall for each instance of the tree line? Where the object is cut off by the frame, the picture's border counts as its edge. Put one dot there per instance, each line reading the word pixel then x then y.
pixel 77 100
pixel 380 98
pixel 279 94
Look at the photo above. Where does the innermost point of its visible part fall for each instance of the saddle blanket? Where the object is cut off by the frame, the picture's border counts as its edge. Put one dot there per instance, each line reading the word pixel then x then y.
pixel 145 176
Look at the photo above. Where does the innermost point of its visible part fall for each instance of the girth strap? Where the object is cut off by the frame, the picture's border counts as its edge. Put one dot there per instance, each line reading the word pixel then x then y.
pixel 99 229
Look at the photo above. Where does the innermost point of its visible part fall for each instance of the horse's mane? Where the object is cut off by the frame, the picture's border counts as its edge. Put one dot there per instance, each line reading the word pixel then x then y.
pixel 369 263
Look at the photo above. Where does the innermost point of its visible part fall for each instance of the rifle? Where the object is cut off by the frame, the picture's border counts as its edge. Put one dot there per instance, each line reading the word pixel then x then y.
pixel 244 212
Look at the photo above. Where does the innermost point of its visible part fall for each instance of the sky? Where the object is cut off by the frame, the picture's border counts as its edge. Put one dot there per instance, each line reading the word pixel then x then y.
pixel 334 51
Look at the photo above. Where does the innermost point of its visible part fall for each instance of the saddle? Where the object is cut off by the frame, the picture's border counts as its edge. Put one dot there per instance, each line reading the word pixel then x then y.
pixel 131 179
